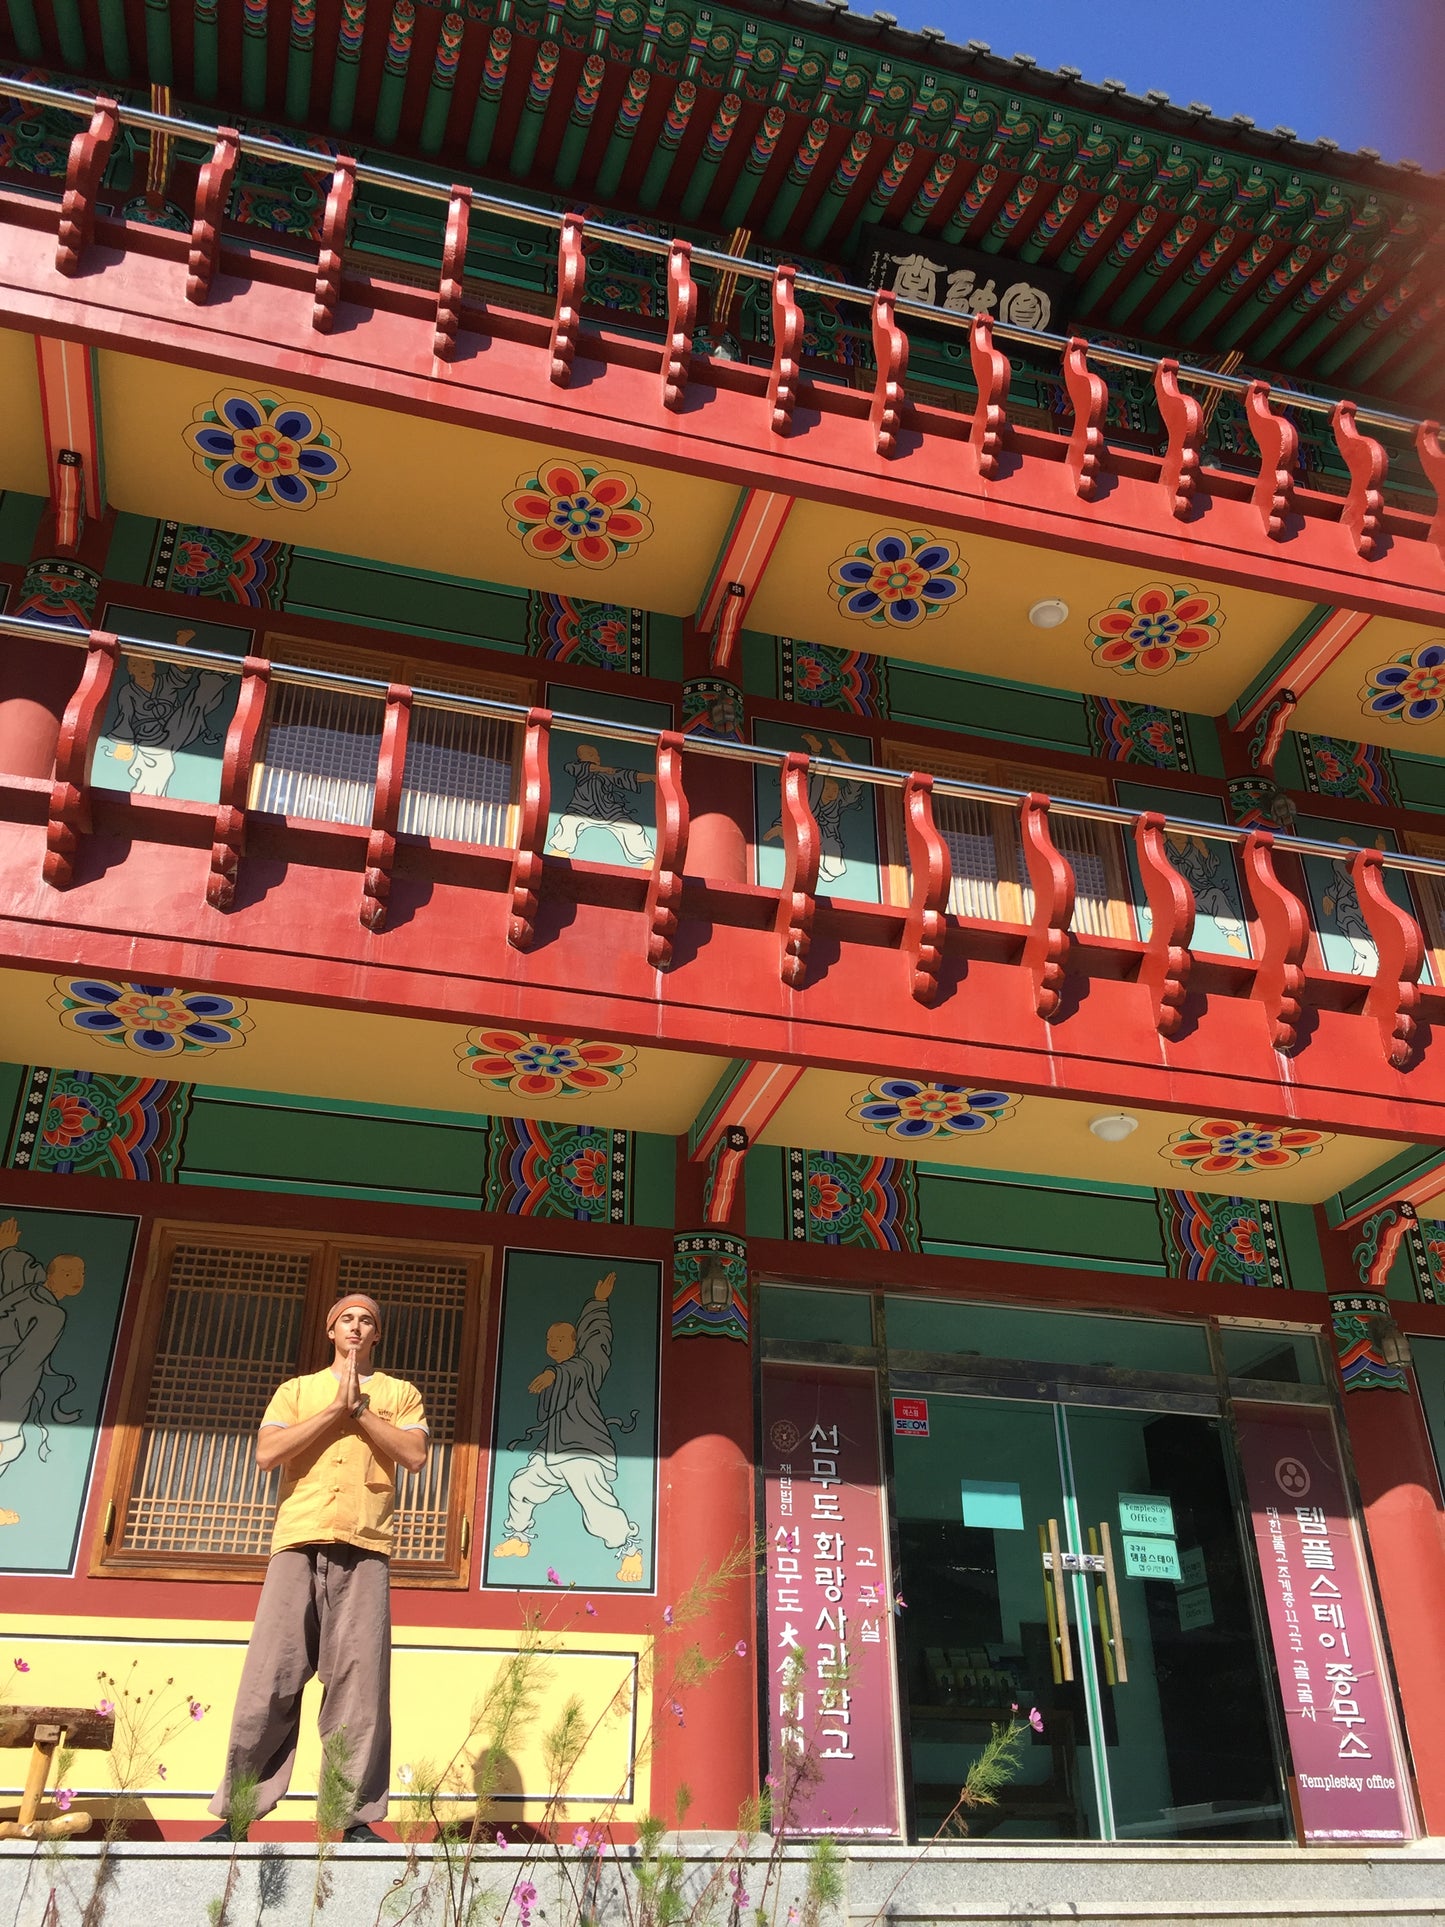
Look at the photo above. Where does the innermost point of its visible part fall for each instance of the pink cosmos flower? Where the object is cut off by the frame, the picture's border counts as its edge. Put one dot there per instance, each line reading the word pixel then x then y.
pixel 592 1610
pixel 1036 1719
pixel 582 1839
pixel 198 1712
pixel 553 1577
pixel 105 1708
pixel 63 1797
pixel 160 1772
pixel 501 1838
pixel 667 1615
pixel 741 1649
pixel 676 1709
pixel 22 1665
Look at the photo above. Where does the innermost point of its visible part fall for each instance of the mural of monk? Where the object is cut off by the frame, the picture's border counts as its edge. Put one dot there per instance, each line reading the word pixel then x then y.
pixel 599 800
pixel 575 1452
pixel 32 1323
pixel 160 710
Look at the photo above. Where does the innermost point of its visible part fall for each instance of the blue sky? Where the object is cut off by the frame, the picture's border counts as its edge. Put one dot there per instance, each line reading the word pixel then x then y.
pixel 1366 73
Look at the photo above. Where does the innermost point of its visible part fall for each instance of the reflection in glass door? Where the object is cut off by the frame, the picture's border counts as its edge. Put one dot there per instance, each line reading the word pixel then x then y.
pixel 1083 1560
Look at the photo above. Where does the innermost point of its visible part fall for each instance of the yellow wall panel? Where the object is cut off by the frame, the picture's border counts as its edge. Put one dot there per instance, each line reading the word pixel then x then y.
pixel 22 440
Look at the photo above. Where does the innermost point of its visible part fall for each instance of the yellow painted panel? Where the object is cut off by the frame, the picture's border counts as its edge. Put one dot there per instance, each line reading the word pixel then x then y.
pixel 987 632
pixel 1051 1136
pixel 1338 704
pixel 440 1679
pixel 22 443
pixel 362 1056
pixel 421 493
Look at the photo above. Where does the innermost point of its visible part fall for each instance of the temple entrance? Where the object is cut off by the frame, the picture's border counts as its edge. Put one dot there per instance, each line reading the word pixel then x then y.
pixel 1079 1557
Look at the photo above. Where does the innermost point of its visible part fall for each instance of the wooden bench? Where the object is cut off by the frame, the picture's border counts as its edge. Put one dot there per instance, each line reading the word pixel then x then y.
pixel 43 1729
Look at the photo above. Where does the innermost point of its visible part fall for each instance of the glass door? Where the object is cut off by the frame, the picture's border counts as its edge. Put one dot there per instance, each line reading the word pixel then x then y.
pixel 1082 1561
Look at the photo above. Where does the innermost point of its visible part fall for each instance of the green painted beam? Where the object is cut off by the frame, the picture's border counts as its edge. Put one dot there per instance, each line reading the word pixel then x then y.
pixel 715 147
pixel 1001 229
pixel 253 56
pixel 830 202
pixel 1139 288
pixel 1239 275
pixel 1205 264
pixel 579 121
pixel 1276 284
pixel 760 154
pixel 540 82
pixel 26 30
pixel 1089 233
pixel 1383 355
pixel 629 114
pixel 489 96
pixel 1349 302
pixel 299 56
pixel 674 129
pixel 392 92
pixel 66 14
pixel 350 31
pixel 810 149
pixel 930 193
pixel 1322 283
pixel 890 179
pixel 206 51
pixel 443 79
pixel 159 56
pixel 114 44
pixel 1119 256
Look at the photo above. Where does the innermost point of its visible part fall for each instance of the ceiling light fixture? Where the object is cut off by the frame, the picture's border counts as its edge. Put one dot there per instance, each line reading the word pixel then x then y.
pixel 1114 1126
pixel 1049 613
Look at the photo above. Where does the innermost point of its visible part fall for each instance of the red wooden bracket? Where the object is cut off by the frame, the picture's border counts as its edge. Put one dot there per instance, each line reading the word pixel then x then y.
pixel 1052 877
pixel 890 353
pixel 1090 398
pixel 931 873
pixel 1398 1218
pixel 802 850
pixel 451 287
pixel 991 374
pixel 787 350
pixel 1270 726
pixel 69 816
pixel 1282 931
pixel 1183 416
pixel 1367 462
pixel 536 802
pixel 1432 460
pixel 386 807
pixel 90 153
pixel 68 495
pixel 1394 992
pixel 1278 444
pixel 681 319
pixel 571 284
pixel 729 1155
pixel 213 196
pixel 664 886
pixel 1164 968
pixel 228 838
pixel 333 245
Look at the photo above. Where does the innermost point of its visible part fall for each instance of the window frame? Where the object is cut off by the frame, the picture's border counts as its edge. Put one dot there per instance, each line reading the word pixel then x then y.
pixel 109 1559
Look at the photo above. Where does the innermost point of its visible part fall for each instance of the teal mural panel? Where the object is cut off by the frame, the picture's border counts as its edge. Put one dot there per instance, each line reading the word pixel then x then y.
pixel 573 1487
pixel 62 1280
pixel 603 806
pixel 1208 867
pixel 164 732
pixel 845 811
pixel 1338 918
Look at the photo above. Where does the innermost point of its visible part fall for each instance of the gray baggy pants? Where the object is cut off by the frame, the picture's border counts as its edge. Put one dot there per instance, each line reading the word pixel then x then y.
pixel 324 1610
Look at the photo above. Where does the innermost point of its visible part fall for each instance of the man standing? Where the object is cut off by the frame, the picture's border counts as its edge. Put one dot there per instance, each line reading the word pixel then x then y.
pixel 32 1324
pixel 338 1436
pixel 576 1453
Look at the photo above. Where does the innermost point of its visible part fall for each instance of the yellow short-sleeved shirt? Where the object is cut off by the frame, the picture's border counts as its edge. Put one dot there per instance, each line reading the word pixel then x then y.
pixel 340 1492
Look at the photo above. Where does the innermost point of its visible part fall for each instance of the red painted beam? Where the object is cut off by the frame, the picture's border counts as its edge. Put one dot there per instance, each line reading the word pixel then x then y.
pixel 1321 648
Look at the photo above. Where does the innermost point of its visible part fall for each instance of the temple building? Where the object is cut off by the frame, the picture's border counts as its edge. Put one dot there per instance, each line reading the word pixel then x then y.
pixel 798 670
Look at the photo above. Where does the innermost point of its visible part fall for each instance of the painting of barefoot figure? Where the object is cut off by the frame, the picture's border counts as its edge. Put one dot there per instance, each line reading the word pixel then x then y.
pixel 62 1279
pixel 574 1441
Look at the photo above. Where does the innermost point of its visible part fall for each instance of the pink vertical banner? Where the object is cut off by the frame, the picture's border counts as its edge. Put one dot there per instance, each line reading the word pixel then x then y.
pixel 1348 1761
pixel 830 1600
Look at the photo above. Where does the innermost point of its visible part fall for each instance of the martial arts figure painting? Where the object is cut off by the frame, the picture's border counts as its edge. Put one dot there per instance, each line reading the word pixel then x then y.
pixel 573 1469
pixel 62 1277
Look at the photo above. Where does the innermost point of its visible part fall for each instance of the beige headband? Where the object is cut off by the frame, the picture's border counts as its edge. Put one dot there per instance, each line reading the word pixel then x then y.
pixel 355 1298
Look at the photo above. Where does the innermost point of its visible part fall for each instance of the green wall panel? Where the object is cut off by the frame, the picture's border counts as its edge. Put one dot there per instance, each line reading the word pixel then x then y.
pixel 409 602
pixel 333 1155
pixel 19 519
pixel 986 1217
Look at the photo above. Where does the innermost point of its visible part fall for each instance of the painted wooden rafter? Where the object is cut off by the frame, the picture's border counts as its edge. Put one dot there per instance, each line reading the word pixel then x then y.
pixel 71 422
pixel 1426 1183
pixel 748 1107
pixel 739 569
pixel 1297 673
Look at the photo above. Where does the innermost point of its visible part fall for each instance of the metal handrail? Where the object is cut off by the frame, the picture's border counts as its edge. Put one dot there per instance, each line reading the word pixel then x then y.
pixel 307 159
pixel 757 754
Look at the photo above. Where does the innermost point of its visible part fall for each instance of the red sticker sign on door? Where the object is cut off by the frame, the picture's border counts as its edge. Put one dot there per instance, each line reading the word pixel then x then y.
pixel 910 1418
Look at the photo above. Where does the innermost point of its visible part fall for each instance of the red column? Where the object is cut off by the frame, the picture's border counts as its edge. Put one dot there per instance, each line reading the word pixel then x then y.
pixel 37 680
pixel 1405 1524
pixel 706 1518
pixel 719 791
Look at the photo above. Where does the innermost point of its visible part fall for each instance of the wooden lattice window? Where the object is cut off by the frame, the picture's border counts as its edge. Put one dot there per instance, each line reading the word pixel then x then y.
pixel 1429 894
pixel 990 876
pixel 228 1316
pixel 319 754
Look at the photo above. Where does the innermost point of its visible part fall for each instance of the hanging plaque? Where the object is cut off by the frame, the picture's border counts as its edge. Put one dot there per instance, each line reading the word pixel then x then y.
pixel 963 280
